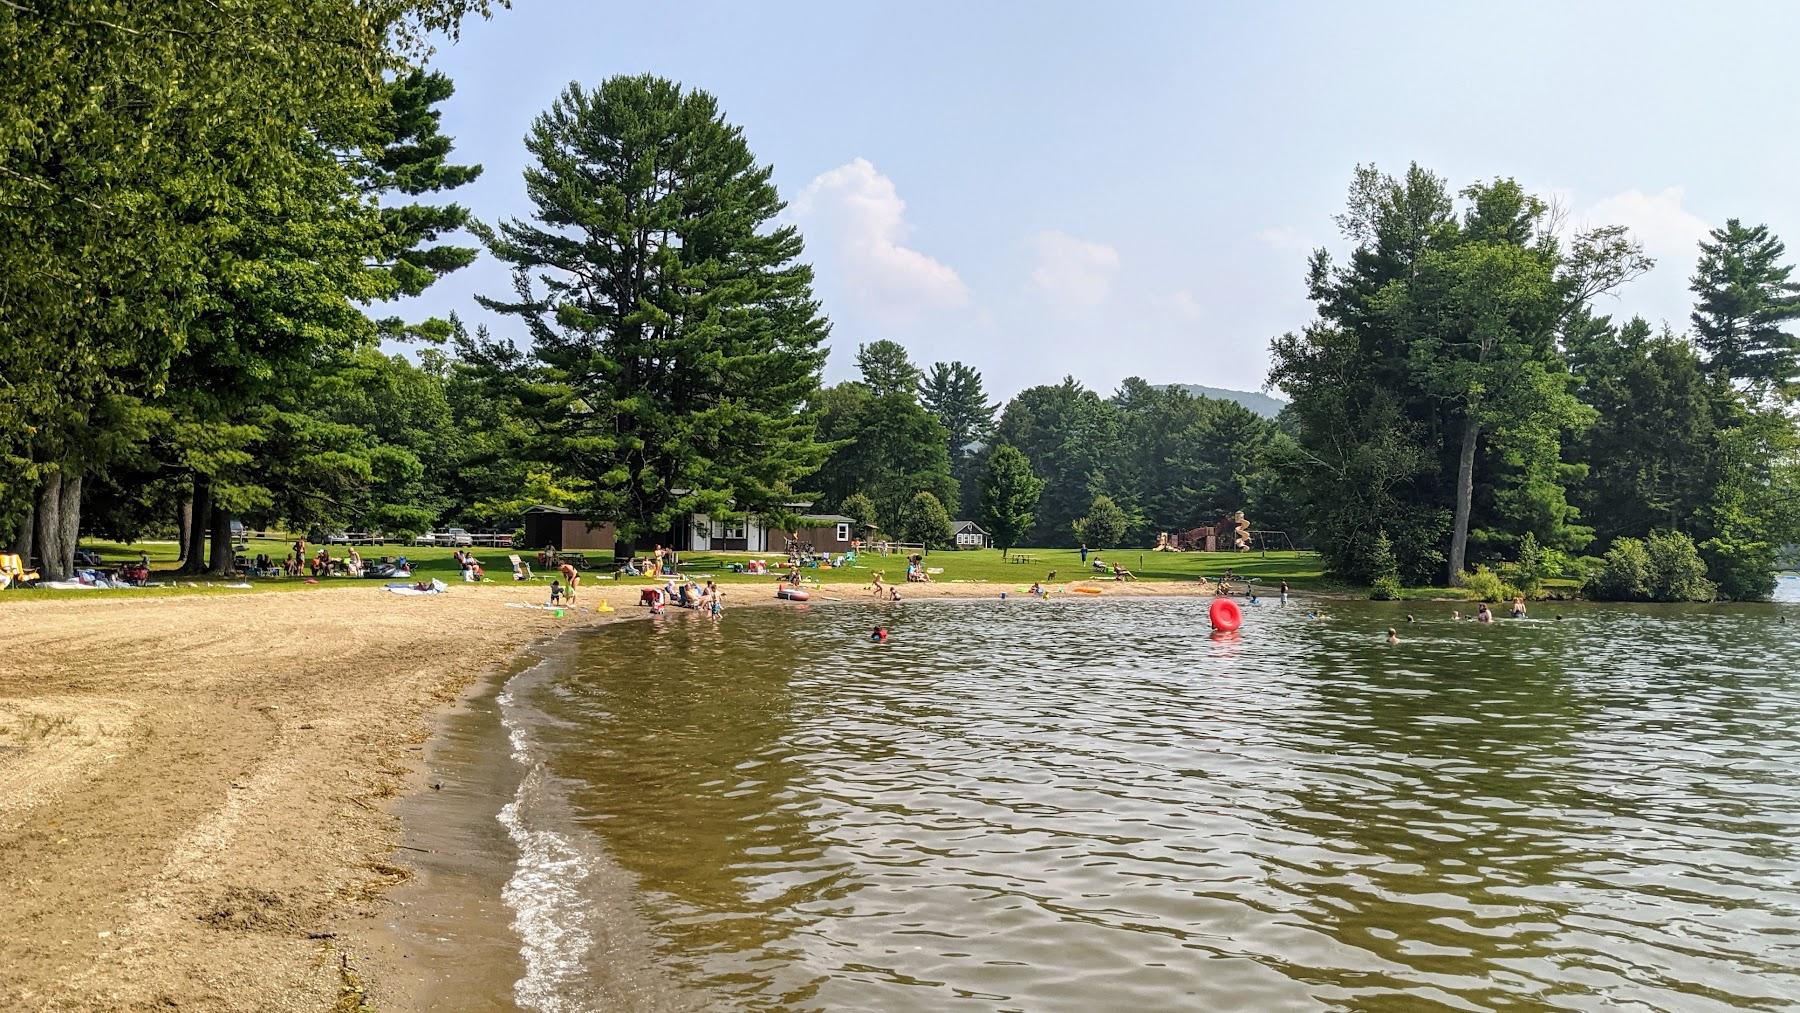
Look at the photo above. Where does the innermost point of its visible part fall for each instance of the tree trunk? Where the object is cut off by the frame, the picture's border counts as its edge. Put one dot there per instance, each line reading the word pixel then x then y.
pixel 1465 495
pixel 184 526
pixel 221 543
pixel 195 558
pixel 48 530
pixel 69 521
pixel 24 537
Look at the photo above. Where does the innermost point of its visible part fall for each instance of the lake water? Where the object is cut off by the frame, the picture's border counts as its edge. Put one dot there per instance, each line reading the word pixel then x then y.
pixel 1091 805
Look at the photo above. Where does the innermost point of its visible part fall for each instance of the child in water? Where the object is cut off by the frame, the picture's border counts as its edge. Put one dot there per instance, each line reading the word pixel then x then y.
pixel 878 634
pixel 1393 635
pixel 1484 614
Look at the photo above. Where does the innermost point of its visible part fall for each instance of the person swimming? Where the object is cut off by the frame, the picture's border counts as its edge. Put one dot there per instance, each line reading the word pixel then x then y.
pixel 879 634
pixel 1393 635
pixel 1518 607
pixel 1484 614
pixel 1456 615
pixel 1410 619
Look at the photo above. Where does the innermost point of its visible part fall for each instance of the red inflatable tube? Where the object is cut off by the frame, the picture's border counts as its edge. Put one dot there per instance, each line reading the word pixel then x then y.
pixel 1225 615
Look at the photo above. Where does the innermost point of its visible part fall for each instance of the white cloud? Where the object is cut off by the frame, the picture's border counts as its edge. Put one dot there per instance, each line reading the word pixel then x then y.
pixel 1670 233
pixel 855 216
pixel 1286 238
pixel 1071 271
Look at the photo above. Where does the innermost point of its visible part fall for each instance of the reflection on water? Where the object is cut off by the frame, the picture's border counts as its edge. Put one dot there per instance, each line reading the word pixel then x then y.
pixel 1091 805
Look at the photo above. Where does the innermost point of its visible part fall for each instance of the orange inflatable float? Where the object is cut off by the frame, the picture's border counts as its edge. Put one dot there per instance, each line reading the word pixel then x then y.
pixel 1225 615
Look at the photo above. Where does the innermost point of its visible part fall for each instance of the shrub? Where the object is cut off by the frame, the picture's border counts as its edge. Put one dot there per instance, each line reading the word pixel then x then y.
pixel 1384 583
pixel 1677 573
pixel 1486 585
pixel 1664 567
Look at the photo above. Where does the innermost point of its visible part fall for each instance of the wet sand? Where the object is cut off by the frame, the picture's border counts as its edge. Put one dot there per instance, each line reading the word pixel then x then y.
pixel 201 798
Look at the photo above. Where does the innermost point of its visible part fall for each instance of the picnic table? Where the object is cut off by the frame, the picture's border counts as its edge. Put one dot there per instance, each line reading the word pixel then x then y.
pixel 1021 557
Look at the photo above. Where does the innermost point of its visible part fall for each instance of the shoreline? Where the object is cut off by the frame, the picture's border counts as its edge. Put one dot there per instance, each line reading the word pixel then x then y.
pixel 201 795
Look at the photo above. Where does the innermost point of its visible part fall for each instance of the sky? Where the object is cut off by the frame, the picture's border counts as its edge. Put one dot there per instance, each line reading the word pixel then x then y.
pixel 1110 190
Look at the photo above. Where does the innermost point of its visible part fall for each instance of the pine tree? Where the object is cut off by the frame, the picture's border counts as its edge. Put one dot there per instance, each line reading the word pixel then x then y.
pixel 952 392
pixel 1745 300
pixel 409 155
pixel 1009 495
pixel 675 337
pixel 886 369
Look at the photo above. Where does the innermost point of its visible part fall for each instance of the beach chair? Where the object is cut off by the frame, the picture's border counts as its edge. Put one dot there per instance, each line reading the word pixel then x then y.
pixel 521 569
pixel 13 571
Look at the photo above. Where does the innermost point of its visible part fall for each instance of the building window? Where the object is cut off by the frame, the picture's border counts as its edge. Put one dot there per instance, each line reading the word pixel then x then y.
pixel 843 532
pixel 731 529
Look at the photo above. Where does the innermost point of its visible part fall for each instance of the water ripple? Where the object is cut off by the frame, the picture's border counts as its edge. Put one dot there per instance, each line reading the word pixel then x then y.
pixel 1087 805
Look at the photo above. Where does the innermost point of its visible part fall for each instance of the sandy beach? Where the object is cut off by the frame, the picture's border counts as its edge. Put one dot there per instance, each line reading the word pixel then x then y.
pixel 195 792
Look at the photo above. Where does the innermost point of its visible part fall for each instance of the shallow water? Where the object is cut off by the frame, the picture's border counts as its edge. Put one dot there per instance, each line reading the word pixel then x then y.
pixel 1091 805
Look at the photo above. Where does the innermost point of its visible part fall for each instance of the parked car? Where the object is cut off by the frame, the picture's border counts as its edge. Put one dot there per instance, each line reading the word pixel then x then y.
pixel 455 536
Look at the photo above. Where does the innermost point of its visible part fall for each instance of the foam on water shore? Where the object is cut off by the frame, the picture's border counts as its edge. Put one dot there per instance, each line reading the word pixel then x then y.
pixel 546 890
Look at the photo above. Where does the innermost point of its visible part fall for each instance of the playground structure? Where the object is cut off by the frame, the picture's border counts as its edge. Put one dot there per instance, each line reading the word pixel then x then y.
pixel 1232 534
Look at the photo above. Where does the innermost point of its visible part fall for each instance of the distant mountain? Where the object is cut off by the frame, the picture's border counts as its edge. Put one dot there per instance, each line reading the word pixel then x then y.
pixel 1261 404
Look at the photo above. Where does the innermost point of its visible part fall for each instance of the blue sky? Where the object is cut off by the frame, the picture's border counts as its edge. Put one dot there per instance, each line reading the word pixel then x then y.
pixel 1115 190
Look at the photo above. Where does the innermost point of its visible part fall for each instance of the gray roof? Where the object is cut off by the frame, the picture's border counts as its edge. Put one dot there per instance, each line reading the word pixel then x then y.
pixel 827 519
pixel 962 526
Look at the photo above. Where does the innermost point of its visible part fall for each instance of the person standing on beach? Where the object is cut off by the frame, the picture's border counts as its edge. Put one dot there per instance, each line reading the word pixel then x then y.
pixel 572 577
pixel 1284 590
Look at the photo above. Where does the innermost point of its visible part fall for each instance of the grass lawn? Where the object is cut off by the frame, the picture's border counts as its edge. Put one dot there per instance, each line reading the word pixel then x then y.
pixel 1300 569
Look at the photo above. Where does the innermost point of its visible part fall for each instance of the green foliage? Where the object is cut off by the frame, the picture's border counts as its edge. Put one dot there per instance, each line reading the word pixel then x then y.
pixel 675 339
pixel 953 394
pixel 1069 435
pixel 1104 526
pixel 886 369
pixel 1385 584
pixel 1009 495
pixel 884 446
pixel 1664 567
pixel 1531 569
pixel 1745 300
pixel 1649 453
pixel 923 519
pixel 146 153
pixel 862 508
pixel 1432 398
pixel 1486 585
